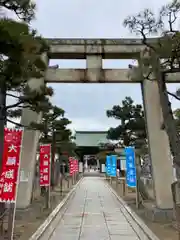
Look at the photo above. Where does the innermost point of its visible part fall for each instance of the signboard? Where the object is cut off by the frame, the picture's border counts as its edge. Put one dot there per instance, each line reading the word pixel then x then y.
pixel 80 167
pixel 103 168
pixel 113 165
pixel 108 165
pixel 9 178
pixel 71 166
pixel 123 163
pixel 130 167
pixel 146 169
pixel 44 164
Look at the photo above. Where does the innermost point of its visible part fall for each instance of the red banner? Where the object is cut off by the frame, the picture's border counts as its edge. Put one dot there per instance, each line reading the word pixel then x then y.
pixel 74 163
pixel 77 166
pixel 71 166
pixel 44 164
pixel 10 166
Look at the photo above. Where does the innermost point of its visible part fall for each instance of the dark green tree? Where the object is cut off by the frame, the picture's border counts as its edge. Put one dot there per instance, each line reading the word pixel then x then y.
pixel 20 60
pixel 160 57
pixel 176 114
pixel 131 130
pixel 53 127
pixel 21 50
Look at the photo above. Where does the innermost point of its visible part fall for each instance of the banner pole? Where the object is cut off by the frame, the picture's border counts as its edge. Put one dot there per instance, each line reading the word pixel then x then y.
pixel 12 206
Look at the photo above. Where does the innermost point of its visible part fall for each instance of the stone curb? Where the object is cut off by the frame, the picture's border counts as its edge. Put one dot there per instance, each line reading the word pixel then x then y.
pixel 54 213
pixel 140 227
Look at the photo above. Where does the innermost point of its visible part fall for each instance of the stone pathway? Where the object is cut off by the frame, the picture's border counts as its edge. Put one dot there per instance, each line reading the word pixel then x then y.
pixel 94 214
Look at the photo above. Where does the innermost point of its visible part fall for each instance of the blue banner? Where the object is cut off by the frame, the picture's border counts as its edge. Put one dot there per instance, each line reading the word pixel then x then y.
pixel 130 167
pixel 108 165
pixel 113 165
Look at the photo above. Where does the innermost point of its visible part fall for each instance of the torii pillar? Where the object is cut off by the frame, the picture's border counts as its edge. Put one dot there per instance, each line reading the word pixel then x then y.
pixel 29 149
pixel 159 147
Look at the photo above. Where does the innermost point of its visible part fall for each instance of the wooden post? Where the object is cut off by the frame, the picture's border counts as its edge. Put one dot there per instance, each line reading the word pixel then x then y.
pixel 72 179
pixel 68 185
pixel 124 186
pixel 116 181
pixel 11 219
pixel 47 197
pixel 137 181
pixel 61 184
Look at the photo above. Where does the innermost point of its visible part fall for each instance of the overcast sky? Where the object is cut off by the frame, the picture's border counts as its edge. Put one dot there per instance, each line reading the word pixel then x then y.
pixel 84 104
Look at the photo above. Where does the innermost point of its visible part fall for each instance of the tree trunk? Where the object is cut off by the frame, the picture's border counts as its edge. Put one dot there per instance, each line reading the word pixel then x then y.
pixel 168 118
pixel 2 118
pixel 2 124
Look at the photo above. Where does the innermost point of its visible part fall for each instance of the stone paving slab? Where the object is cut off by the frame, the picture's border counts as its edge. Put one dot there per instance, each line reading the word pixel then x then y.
pixel 94 214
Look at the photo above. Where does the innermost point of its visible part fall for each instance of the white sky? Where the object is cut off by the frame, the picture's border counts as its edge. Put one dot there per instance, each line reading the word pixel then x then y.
pixel 84 104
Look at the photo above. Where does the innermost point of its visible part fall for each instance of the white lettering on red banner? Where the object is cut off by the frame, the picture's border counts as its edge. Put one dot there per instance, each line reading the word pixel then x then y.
pixel 73 166
pixel 10 165
pixel 44 164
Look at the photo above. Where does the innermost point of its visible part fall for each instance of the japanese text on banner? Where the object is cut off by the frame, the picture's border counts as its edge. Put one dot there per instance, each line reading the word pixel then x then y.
pixel 77 166
pixel 113 166
pixel 130 167
pixel 10 166
pixel 71 166
pixel 108 165
pixel 44 164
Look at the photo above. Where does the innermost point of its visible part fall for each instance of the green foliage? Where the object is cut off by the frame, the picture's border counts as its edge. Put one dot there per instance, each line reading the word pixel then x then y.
pixel 160 56
pixel 54 130
pixel 24 9
pixel 131 130
pixel 164 25
pixel 177 118
pixel 21 50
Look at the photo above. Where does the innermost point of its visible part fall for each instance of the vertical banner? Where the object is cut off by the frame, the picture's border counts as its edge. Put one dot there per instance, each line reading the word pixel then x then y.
pixel 77 166
pixel 71 166
pixel 108 165
pixel 44 164
pixel 130 167
pixel 10 165
pixel 113 166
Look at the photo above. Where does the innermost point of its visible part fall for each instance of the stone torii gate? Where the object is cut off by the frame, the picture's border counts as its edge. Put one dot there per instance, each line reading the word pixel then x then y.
pixel 94 51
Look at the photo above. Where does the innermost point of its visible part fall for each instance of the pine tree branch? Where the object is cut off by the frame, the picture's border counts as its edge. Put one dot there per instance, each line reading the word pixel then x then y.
pixel 15 123
pixel 25 106
pixel 173 95
pixel 23 9
pixel 14 105
pixel 21 125
pixel 11 95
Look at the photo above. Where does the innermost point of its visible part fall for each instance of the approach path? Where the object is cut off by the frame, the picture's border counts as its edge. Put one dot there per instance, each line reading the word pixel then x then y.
pixel 94 213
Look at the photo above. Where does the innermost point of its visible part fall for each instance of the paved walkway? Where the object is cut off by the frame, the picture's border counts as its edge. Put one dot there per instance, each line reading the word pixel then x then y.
pixel 94 214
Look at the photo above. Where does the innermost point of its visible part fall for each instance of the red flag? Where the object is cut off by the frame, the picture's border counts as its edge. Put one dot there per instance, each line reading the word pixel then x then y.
pixel 11 165
pixel 44 164
pixel 71 166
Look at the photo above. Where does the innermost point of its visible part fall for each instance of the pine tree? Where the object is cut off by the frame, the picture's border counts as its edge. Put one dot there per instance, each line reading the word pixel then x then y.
pixel 160 57
pixel 21 49
pixel 53 127
pixel 131 130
